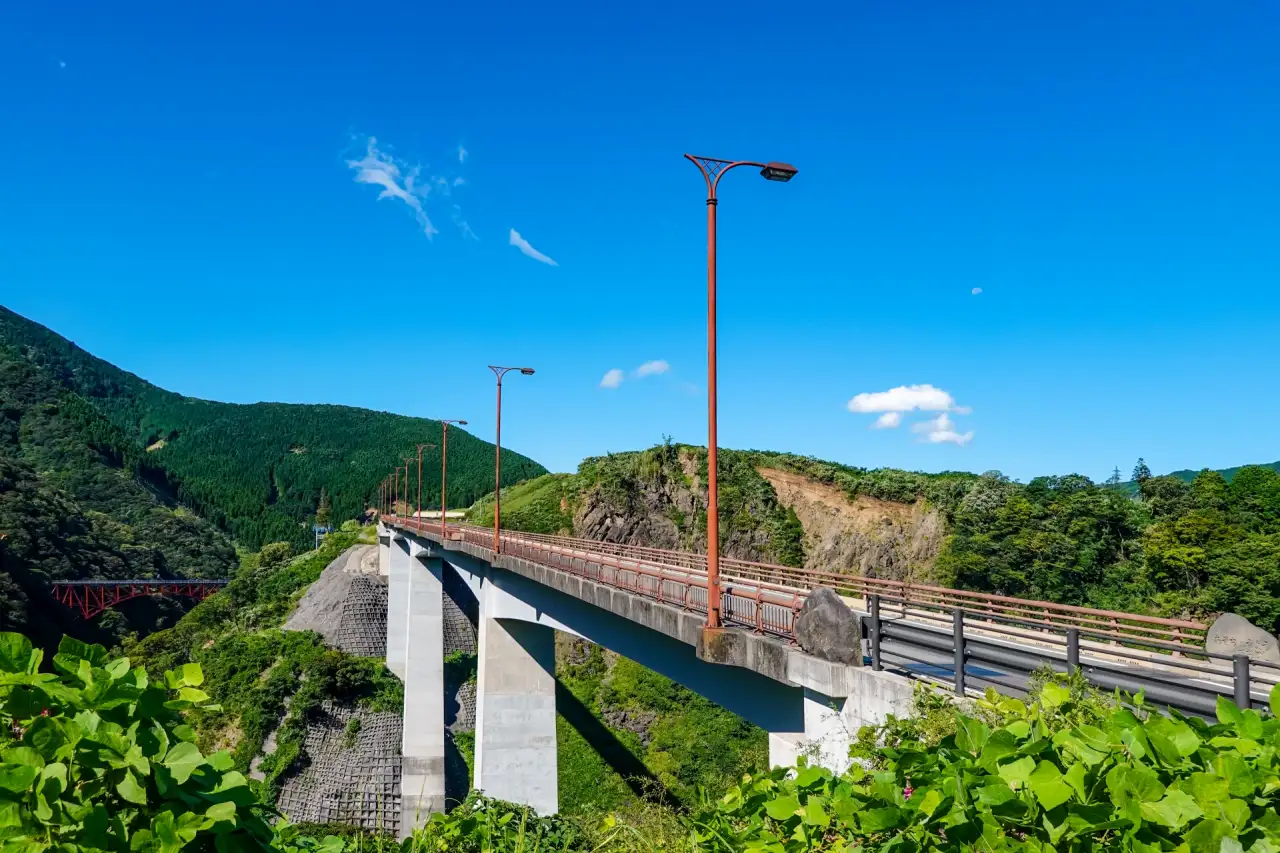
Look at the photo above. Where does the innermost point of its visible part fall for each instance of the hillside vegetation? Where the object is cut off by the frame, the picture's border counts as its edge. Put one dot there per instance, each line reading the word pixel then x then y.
pixel 256 471
pixel 74 504
pixel 1193 548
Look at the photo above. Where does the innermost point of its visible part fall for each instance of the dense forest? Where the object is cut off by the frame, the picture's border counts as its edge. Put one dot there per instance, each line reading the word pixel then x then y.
pixel 256 471
pixel 1175 547
pixel 75 503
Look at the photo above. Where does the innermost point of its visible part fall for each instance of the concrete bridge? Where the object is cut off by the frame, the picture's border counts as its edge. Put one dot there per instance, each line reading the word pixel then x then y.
pixel 648 605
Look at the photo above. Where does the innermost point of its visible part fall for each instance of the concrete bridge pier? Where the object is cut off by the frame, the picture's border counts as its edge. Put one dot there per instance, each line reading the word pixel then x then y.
pixel 422 773
pixel 384 551
pixel 515 757
pixel 397 602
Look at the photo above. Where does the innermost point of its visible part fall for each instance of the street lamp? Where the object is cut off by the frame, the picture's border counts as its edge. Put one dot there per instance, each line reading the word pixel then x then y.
pixel 444 468
pixel 407 460
pixel 497 449
pixel 712 170
pixel 418 516
pixel 395 489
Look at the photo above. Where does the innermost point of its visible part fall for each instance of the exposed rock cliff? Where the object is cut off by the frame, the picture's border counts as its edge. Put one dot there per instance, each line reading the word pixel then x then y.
pixel 862 535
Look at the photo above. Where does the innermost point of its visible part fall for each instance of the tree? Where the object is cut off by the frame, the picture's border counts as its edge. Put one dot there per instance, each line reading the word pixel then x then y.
pixel 323 511
pixel 1141 473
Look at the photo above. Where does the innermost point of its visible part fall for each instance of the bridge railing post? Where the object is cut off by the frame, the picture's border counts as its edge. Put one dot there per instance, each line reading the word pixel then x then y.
pixel 1073 650
pixel 1240 666
pixel 874 632
pixel 957 629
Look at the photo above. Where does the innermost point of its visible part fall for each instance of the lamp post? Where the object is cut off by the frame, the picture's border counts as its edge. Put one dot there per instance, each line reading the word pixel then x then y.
pixel 418 516
pixel 444 468
pixel 407 460
pixel 712 170
pixel 497 449
pixel 395 489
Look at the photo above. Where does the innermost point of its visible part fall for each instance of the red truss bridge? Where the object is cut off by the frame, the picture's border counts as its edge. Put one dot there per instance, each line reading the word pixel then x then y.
pixel 93 597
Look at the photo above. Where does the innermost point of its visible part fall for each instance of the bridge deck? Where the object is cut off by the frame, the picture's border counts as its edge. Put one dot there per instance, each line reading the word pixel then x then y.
pixel 1002 641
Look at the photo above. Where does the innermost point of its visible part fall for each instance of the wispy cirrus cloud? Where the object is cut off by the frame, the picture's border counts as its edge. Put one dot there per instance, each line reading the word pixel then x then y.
pixel 398 180
pixel 406 182
pixel 462 154
pixel 976 291
pixel 616 376
pixel 526 249
pixel 612 379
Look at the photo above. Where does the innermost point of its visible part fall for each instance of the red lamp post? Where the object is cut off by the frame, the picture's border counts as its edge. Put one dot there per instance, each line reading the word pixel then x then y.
pixel 444 469
pixel 497 450
pixel 712 170
pixel 407 460
pixel 418 515
pixel 395 489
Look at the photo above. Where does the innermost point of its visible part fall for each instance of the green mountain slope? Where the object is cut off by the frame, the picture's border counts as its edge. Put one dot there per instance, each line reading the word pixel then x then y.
pixel 257 470
pixel 75 504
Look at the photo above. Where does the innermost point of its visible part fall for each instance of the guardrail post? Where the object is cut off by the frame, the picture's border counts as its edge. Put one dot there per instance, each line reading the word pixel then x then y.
pixel 957 623
pixel 1240 664
pixel 1073 650
pixel 874 603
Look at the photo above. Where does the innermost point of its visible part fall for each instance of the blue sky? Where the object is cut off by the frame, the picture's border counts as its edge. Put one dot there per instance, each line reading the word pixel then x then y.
pixel 179 200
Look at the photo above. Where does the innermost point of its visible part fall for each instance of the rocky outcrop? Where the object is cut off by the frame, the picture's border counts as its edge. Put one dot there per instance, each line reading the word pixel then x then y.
pixel 657 499
pixel 863 535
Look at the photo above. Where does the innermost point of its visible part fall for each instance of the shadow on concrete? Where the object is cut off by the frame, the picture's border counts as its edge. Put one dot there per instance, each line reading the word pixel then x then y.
pixel 639 778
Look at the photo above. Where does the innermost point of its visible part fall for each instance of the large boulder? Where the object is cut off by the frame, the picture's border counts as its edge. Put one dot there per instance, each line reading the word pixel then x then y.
pixel 1232 634
pixel 827 628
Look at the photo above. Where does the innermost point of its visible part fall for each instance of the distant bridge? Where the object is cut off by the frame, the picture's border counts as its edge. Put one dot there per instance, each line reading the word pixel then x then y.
pixel 648 604
pixel 93 597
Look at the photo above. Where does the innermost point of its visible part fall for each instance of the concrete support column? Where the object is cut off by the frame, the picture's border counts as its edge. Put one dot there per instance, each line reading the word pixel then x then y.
pixel 824 740
pixel 516 714
pixel 384 551
pixel 397 603
pixel 422 750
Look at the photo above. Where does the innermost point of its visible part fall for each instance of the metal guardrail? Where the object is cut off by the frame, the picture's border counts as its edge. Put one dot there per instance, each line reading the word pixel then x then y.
pixel 944 635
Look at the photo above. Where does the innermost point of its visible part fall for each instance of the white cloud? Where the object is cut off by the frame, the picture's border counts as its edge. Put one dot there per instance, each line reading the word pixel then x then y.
pixel 462 154
pixel 888 420
pixel 62 63
pixel 976 291
pixel 904 398
pixel 397 179
pixel 941 430
pixel 612 379
pixel 526 249
pixel 652 368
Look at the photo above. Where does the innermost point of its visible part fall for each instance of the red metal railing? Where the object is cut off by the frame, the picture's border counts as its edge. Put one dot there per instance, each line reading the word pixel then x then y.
pixel 93 597
pixel 767 597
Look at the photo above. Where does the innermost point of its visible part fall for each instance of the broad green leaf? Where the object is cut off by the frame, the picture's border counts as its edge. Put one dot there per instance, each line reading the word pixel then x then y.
pixel 1275 701
pixel 1236 771
pixel 1017 772
pixel 929 802
pixel 1207 789
pixel 782 808
pixel 1206 836
pixel 17 777
pixel 192 676
pixel 1075 777
pixel 994 794
pixel 1174 810
pixel 810 775
pixel 1053 695
pixel 15 652
pixel 813 814
pixel 878 820
pixel 221 811
pixel 130 790
pixel 1235 812
pixel 971 734
pixel 1228 712
pixel 1049 787
pixel 182 761
pixel 118 668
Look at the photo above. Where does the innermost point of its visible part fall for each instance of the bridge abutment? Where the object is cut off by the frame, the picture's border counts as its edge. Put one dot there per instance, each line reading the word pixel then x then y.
pixel 515 758
pixel 422 775
pixel 384 551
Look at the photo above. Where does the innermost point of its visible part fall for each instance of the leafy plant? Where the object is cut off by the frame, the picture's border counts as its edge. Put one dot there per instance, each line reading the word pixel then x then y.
pixel 97 757
pixel 1134 781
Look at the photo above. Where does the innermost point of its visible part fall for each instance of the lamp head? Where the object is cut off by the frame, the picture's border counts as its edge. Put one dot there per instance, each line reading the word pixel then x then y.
pixel 462 423
pixel 778 172
pixel 527 371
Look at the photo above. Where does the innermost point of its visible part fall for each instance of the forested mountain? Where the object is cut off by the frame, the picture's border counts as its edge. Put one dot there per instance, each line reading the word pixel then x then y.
pixel 1189 548
pixel 256 471
pixel 75 504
